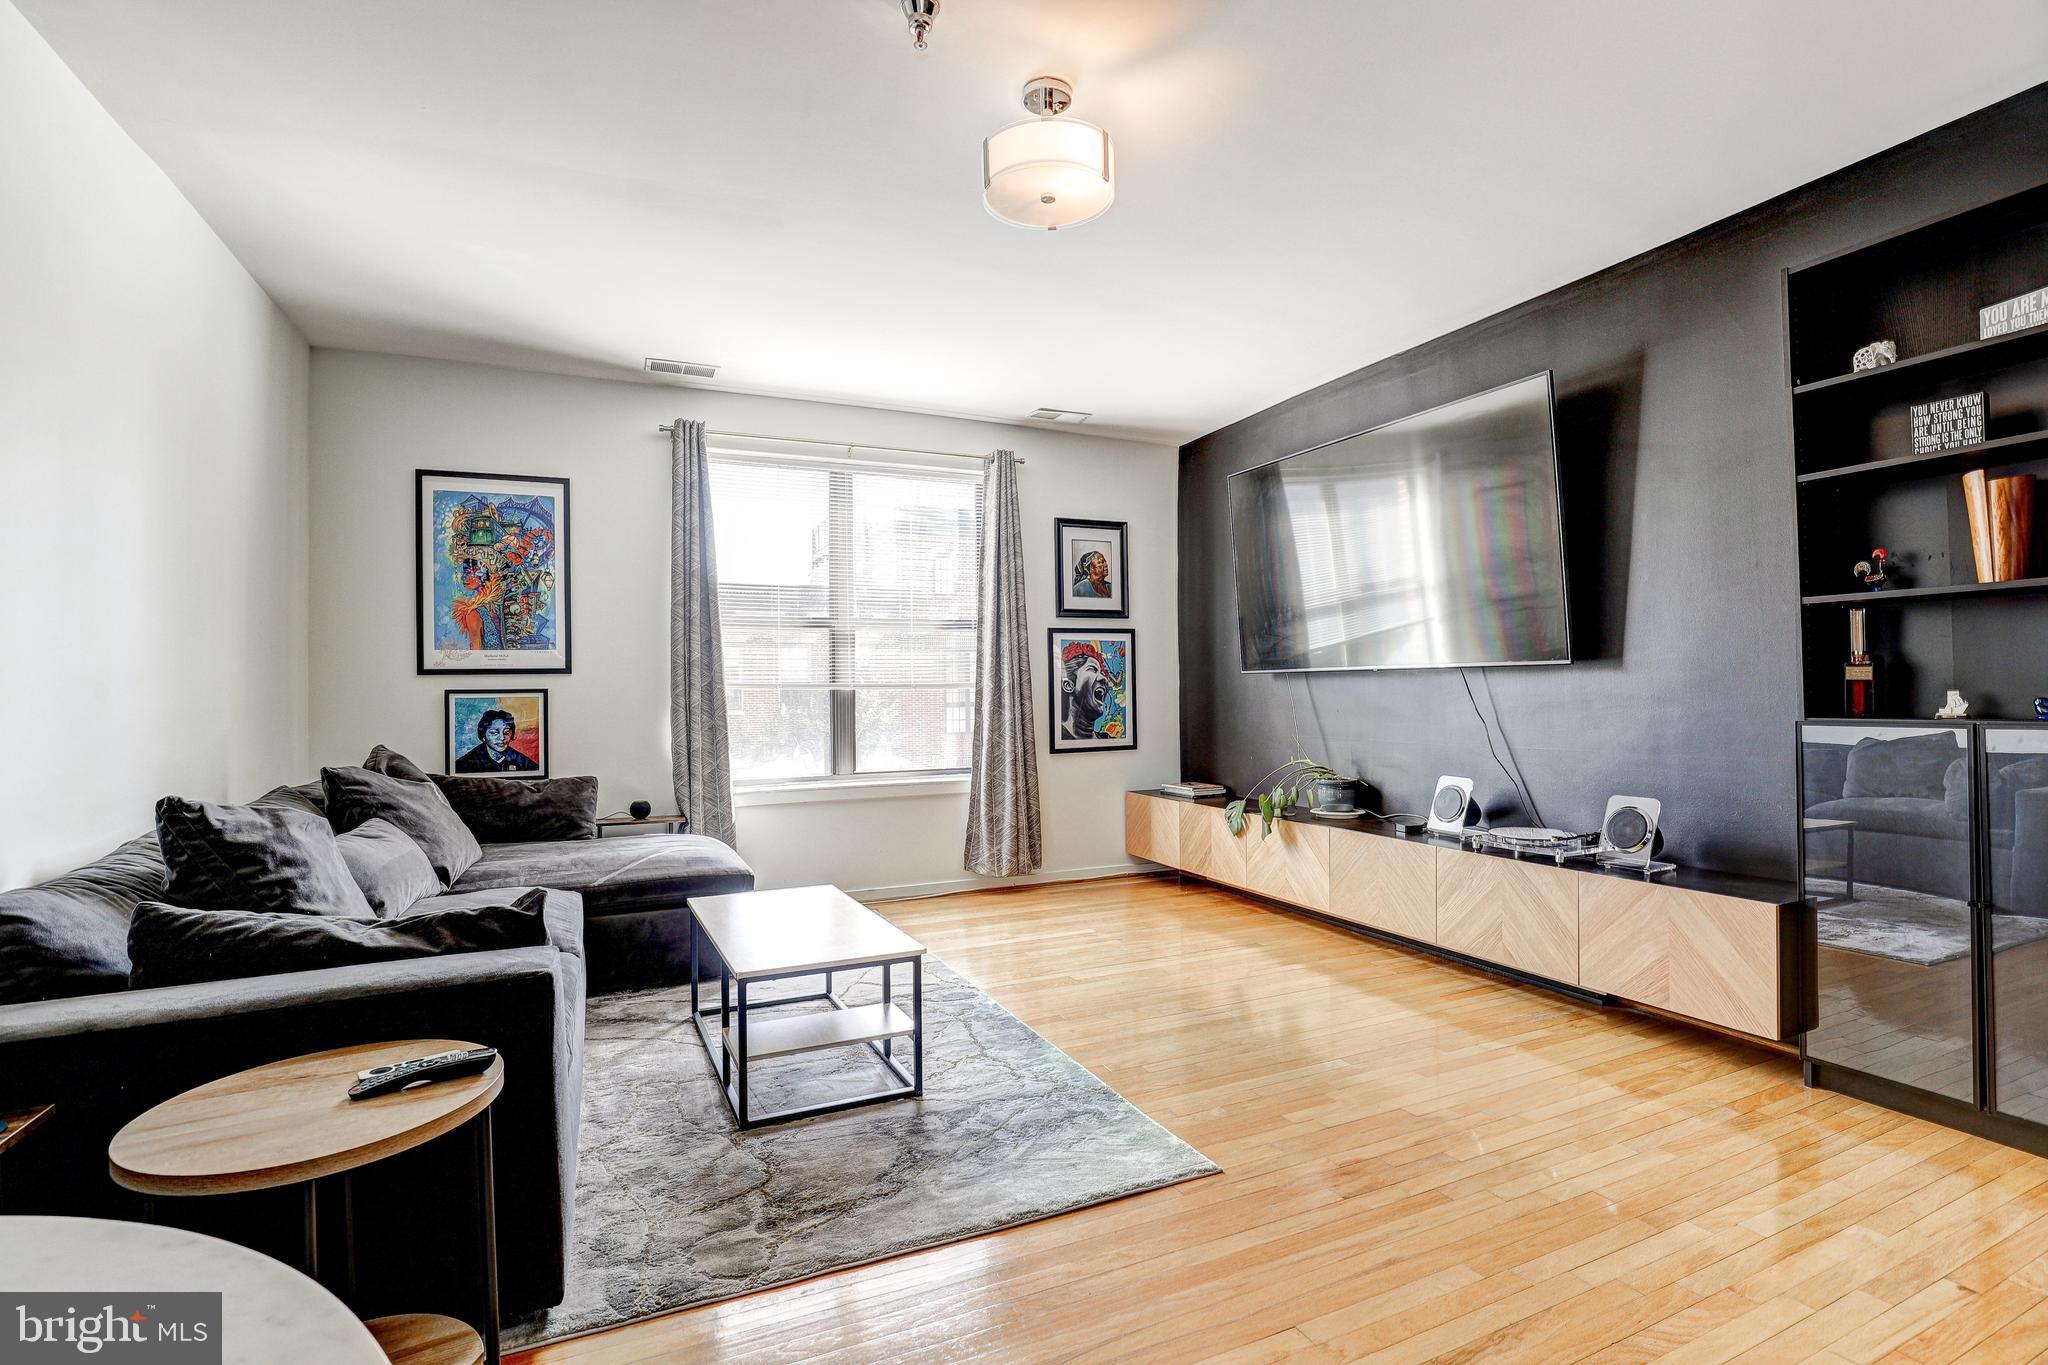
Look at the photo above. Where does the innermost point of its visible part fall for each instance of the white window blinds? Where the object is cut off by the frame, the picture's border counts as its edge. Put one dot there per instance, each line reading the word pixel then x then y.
pixel 847 601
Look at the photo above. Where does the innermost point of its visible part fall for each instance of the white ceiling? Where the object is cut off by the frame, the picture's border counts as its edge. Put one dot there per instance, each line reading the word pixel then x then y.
pixel 783 187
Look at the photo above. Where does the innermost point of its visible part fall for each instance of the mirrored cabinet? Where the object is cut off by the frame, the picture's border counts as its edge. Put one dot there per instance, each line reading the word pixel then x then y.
pixel 2015 790
pixel 1887 835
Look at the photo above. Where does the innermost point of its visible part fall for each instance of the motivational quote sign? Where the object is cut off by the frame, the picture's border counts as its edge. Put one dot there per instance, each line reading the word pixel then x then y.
pixel 2013 315
pixel 1948 423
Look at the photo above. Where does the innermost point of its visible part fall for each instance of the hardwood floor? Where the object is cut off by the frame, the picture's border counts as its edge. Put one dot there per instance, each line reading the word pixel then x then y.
pixel 1421 1162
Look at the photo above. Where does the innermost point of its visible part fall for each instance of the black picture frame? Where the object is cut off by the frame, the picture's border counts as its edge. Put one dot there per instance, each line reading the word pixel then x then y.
pixel 448 740
pixel 560 660
pixel 1064 571
pixel 1057 639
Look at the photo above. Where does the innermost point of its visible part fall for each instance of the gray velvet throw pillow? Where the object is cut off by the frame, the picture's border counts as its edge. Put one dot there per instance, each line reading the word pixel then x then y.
pixel 356 795
pixel 267 858
pixel 169 945
pixel 514 810
pixel 391 869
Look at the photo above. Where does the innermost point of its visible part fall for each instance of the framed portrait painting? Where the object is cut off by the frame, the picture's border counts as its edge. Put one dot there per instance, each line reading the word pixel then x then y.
pixel 493 573
pixel 1093 568
pixel 1094 697
pixel 500 734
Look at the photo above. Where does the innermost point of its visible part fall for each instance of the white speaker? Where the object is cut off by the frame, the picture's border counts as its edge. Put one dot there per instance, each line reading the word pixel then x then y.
pixel 1451 810
pixel 1631 834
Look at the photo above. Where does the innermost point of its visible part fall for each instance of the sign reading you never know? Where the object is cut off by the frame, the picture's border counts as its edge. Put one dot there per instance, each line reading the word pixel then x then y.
pixel 164 1328
pixel 2013 315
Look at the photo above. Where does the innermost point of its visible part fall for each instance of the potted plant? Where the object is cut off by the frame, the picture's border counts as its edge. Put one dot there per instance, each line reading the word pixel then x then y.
pixel 1327 790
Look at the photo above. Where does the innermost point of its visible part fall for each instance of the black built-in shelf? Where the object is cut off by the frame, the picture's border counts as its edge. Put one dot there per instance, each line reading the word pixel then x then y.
pixel 1858 485
pixel 1921 370
pixel 1890 596
pixel 1989 454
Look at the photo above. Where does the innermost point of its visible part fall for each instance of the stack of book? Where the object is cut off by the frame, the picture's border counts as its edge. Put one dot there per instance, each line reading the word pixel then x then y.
pixel 1192 790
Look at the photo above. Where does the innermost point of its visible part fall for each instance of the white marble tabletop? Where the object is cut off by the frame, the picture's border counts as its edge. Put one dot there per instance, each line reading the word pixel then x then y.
pixel 798 929
pixel 270 1312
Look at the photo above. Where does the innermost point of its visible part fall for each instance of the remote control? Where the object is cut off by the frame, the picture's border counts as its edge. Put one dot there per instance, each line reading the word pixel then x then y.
pixel 442 1066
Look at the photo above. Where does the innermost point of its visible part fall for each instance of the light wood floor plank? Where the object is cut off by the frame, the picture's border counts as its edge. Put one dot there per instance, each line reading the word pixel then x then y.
pixel 1422 1161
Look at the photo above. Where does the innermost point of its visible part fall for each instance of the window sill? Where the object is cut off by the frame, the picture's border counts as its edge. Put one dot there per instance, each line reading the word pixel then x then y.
pixel 850 789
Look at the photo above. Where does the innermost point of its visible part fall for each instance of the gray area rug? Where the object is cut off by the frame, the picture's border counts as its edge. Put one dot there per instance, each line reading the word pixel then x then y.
pixel 1910 926
pixel 676 1207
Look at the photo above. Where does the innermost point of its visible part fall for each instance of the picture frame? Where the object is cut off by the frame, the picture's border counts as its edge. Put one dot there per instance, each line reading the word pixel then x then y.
pixel 1092 679
pixel 491 570
pixel 473 721
pixel 1087 586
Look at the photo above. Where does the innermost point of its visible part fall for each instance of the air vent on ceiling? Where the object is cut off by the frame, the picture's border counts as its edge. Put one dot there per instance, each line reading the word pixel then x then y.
pixel 1059 415
pixel 686 369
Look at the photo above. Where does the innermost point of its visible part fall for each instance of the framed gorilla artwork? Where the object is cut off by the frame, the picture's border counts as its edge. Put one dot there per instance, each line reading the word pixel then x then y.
pixel 1093 694
pixel 504 734
pixel 1092 563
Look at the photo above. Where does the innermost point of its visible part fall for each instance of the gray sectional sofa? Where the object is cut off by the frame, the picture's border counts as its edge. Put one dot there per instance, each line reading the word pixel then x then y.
pixel 73 1034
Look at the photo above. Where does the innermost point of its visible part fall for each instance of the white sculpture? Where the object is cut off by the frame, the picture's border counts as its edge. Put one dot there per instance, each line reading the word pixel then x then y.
pixel 1956 708
pixel 1876 354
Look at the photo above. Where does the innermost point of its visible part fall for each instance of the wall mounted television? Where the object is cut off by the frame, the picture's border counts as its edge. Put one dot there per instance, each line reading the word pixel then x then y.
pixel 1433 541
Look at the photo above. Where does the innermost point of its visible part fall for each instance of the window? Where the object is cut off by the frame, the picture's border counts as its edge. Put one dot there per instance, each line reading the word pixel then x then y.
pixel 846 594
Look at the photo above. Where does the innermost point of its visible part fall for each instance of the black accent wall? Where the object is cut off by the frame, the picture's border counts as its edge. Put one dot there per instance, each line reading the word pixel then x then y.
pixel 1676 461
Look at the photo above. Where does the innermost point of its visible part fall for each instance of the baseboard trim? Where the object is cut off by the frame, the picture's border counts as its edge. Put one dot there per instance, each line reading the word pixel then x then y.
pixel 921 890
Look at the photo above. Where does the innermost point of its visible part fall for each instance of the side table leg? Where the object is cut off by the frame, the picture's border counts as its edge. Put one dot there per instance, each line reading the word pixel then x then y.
pixel 888 997
pixel 348 1238
pixel 487 1232
pixel 312 1193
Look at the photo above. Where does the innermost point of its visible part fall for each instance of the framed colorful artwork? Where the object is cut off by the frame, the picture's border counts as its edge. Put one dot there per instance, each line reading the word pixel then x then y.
pixel 504 734
pixel 493 573
pixel 1092 565
pixel 1093 692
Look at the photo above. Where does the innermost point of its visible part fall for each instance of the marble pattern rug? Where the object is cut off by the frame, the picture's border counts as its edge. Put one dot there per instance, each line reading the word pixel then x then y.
pixel 675 1207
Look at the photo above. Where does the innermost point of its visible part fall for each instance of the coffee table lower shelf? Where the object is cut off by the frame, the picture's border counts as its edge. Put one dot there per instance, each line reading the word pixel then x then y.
pixel 740 1038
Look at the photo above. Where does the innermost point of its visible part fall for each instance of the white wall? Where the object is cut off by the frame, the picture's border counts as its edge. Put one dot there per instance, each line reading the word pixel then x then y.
pixel 153 456
pixel 377 418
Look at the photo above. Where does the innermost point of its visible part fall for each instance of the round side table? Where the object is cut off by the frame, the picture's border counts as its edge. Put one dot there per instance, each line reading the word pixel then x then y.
pixel 292 1123
pixel 269 1312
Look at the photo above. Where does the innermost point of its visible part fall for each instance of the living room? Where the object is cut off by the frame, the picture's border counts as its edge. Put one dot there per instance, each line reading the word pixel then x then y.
pixel 584 789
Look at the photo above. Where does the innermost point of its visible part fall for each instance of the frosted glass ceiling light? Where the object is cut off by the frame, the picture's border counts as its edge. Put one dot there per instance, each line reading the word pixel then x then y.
pixel 1048 171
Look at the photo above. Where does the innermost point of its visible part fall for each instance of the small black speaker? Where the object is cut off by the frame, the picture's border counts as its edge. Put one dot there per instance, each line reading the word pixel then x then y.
pixel 640 810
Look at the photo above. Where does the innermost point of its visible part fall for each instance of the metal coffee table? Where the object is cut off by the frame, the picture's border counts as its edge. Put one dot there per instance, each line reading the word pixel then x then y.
pixel 762 936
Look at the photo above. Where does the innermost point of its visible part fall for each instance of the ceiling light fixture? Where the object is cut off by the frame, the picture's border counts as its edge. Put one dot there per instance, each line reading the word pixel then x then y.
pixel 1048 171
pixel 920 15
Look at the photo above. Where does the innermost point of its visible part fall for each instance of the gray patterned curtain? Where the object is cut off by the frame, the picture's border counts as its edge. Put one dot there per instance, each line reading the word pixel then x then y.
pixel 1002 791
pixel 699 755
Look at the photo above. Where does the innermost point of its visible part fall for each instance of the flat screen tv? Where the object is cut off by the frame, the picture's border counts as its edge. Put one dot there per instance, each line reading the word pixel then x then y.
pixel 1435 541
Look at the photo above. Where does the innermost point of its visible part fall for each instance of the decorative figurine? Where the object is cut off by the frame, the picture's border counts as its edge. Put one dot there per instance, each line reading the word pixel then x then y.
pixel 1875 354
pixel 1874 570
pixel 2041 708
pixel 1956 708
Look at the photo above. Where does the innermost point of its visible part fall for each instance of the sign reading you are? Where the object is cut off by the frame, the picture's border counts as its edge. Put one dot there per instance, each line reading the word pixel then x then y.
pixel 2014 315
pixel 1948 423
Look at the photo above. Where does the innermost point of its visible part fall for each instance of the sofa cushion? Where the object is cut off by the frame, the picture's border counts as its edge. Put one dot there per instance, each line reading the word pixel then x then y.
pixel 69 936
pixel 645 872
pixel 563 911
pixel 273 858
pixel 391 869
pixel 355 795
pixel 1928 818
pixel 170 945
pixel 507 810
pixel 1913 766
pixel 391 763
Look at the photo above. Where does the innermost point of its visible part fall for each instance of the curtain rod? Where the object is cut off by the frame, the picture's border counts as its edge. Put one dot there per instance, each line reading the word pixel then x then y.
pixel 668 429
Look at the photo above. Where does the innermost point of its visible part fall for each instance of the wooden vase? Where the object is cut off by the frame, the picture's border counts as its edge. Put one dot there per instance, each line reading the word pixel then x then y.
pixel 2001 524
